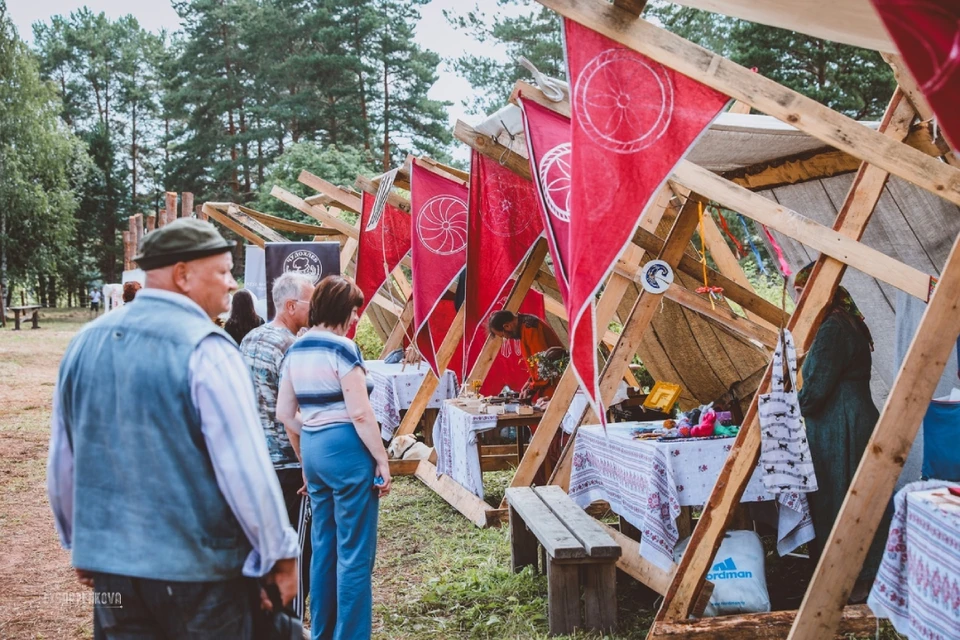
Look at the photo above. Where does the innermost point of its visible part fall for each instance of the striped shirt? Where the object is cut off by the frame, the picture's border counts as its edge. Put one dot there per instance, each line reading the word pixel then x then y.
pixel 222 392
pixel 314 367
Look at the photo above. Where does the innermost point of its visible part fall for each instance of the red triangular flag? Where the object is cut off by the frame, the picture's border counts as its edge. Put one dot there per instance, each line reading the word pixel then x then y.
pixel 632 120
pixel 381 247
pixel 927 34
pixel 548 148
pixel 503 227
pixel 439 229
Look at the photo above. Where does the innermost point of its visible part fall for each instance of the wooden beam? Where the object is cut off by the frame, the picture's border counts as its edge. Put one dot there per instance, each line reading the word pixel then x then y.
pixel 290 226
pixel 534 94
pixel 346 199
pixel 741 463
pixel 857 621
pixel 763 94
pixel 186 205
pixel 476 510
pixel 804 230
pixel 395 339
pixel 233 225
pixel 317 212
pixel 631 6
pixel 450 173
pixel 394 199
pixel 723 315
pixel 236 213
pixel 492 149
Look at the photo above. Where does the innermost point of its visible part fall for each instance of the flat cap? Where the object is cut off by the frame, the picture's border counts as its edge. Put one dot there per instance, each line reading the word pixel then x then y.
pixel 182 240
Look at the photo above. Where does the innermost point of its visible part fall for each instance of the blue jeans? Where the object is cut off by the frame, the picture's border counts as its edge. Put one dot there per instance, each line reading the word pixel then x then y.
pixel 340 474
pixel 140 609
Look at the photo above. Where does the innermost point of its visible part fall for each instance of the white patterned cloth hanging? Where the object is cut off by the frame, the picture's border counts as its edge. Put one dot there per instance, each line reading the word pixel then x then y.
pixel 784 451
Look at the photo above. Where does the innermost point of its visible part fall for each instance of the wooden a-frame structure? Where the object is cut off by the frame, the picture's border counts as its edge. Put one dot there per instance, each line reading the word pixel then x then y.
pixel 882 154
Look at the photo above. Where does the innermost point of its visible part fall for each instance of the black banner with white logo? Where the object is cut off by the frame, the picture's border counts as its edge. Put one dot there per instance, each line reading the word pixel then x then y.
pixel 313 259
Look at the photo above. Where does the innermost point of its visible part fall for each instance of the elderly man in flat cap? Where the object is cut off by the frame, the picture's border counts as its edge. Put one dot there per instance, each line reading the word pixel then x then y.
pixel 159 475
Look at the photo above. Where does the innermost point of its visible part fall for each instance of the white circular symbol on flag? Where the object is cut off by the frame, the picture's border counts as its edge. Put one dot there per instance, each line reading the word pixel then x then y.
pixel 554 172
pixel 625 102
pixel 501 217
pixel 442 225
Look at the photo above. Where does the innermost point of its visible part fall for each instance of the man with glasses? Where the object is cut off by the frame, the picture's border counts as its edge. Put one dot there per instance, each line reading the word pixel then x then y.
pixel 263 350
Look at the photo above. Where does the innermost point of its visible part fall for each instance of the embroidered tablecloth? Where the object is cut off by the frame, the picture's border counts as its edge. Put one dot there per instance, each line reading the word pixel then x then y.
pixel 647 482
pixel 918 584
pixel 455 440
pixel 394 388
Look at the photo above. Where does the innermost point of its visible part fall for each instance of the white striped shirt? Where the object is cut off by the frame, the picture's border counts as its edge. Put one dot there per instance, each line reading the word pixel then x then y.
pixel 222 391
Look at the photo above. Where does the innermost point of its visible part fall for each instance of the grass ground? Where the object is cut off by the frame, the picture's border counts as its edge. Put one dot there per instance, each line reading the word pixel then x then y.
pixel 437 576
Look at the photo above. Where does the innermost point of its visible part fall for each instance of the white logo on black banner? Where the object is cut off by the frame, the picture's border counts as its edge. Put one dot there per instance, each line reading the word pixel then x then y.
pixel 305 262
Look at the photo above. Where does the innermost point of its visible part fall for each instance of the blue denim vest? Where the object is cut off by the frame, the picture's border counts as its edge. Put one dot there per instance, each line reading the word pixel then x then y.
pixel 146 500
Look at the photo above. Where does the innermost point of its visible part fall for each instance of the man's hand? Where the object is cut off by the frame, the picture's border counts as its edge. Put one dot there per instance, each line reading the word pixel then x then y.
pixel 284 575
pixel 85 577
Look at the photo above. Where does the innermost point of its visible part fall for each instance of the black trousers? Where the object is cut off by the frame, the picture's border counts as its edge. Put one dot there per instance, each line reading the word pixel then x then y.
pixel 298 510
pixel 128 608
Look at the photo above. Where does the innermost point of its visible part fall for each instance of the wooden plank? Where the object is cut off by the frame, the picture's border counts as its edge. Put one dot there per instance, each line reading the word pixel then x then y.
pixel 233 225
pixel 722 314
pixel 635 565
pixel 290 226
pixel 596 542
pixel 549 530
pixel 857 621
pixel 339 195
pixel 523 544
pixel 804 230
pixel 450 490
pixel 515 162
pixel 811 308
pixel 600 597
pixel 563 597
pixel 232 210
pixel 316 212
pixel 347 253
pixel 887 450
pixel 394 199
pixel 794 170
pixel 451 173
pixel 395 339
pixel 633 6
pixel 763 94
pixel 403 467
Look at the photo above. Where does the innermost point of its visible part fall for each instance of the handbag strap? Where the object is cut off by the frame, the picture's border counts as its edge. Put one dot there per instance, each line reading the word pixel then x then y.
pixel 779 373
pixel 790 366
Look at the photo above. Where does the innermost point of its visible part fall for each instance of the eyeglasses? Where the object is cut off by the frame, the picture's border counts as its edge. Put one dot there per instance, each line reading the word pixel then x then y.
pixel 303 301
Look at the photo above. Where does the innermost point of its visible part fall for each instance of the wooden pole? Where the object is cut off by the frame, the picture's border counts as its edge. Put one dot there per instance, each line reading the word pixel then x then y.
pixel 186 204
pixel 170 213
pixel 151 222
pixel 740 464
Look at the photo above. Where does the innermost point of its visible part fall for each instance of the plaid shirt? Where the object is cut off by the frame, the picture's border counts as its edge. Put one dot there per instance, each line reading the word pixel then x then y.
pixel 263 350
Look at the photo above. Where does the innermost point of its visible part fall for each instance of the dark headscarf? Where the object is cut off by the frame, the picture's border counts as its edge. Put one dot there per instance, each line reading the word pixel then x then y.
pixel 842 302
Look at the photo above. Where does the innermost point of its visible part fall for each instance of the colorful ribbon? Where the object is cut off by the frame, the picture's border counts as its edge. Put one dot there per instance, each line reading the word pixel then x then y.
pixel 784 267
pixel 733 238
pixel 753 247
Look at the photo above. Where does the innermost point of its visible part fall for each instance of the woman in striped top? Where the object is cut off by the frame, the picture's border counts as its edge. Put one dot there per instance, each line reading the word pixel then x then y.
pixel 325 396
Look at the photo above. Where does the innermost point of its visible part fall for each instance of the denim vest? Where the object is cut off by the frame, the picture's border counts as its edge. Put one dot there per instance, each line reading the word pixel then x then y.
pixel 146 500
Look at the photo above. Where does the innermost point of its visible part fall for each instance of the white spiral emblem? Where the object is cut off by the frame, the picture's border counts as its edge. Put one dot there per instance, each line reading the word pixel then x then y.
pixel 554 170
pixel 625 101
pixel 504 198
pixel 442 225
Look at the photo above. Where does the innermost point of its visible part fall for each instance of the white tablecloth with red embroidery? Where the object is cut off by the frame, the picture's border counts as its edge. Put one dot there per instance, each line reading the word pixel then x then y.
pixel 455 441
pixel 647 482
pixel 395 386
pixel 918 584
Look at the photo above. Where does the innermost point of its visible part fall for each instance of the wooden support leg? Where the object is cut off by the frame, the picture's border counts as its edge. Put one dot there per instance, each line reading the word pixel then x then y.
pixel 563 587
pixel 600 596
pixel 857 209
pixel 35 318
pixel 523 544
pixel 16 320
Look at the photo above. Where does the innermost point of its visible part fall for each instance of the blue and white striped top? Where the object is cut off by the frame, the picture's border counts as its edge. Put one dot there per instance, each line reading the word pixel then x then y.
pixel 315 365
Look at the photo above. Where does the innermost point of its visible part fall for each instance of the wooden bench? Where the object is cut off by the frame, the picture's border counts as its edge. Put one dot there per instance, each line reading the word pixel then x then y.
pixel 578 554
pixel 24 310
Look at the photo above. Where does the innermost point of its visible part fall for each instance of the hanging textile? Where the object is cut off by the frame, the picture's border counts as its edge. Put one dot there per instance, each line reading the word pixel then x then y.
pixel 632 120
pixel 784 452
pixel 381 248
pixel 503 225
pixel 927 34
pixel 439 229
pixel 548 147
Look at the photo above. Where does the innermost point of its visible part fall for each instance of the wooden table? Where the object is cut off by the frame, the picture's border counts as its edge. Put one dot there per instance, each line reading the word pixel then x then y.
pixel 24 310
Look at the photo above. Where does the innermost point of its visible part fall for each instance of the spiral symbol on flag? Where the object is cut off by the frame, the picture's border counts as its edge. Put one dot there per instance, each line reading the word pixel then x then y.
pixel 502 198
pixel 554 170
pixel 442 225
pixel 624 101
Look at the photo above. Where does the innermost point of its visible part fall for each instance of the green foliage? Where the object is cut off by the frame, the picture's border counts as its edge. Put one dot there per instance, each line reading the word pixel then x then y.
pixel 41 163
pixel 367 339
pixel 534 34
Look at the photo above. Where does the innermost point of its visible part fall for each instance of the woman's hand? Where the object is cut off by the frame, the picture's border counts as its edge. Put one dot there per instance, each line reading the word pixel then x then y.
pixel 302 491
pixel 383 471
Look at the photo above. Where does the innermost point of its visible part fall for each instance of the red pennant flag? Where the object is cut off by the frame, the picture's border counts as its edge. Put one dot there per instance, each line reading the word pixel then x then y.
pixel 381 247
pixel 503 227
pixel 632 120
pixel 927 34
pixel 548 147
pixel 439 221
